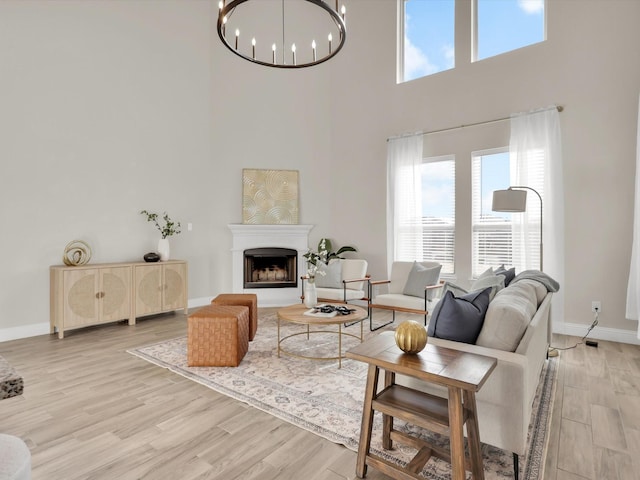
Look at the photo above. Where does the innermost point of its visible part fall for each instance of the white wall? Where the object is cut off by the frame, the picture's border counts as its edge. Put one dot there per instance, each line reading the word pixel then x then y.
pixel 110 107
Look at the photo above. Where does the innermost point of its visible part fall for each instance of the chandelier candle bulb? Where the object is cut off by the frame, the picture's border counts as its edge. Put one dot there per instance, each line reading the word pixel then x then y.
pixel 344 11
pixel 293 51
pixel 237 37
pixel 273 51
pixel 313 46
pixel 330 39
pixel 224 25
pixel 253 47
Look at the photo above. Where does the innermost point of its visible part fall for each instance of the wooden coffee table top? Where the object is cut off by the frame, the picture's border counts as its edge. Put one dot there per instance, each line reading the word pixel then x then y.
pixel 295 314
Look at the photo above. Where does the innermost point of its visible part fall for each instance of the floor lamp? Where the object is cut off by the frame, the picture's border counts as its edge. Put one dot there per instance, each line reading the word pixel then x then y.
pixel 514 200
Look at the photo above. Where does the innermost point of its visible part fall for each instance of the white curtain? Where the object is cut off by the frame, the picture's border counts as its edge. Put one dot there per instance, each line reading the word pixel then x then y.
pixel 536 136
pixel 404 198
pixel 633 287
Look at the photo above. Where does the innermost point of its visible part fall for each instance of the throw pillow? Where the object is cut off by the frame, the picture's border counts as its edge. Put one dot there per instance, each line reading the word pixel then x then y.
pixel 332 277
pixel 420 277
pixel 457 290
pixel 459 318
pixel 496 282
pixel 508 274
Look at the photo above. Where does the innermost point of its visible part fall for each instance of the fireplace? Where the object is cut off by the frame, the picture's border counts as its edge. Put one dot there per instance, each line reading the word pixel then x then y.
pixel 246 238
pixel 270 267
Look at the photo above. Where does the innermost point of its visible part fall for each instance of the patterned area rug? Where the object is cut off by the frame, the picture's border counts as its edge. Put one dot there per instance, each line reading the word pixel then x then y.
pixel 326 400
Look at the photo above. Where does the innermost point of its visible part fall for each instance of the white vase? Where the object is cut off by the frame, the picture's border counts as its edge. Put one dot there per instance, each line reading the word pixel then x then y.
pixel 163 249
pixel 310 295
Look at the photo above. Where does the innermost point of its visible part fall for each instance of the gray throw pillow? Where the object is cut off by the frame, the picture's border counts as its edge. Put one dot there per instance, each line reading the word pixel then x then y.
pixel 459 318
pixel 420 277
pixel 508 275
pixel 496 282
pixel 332 275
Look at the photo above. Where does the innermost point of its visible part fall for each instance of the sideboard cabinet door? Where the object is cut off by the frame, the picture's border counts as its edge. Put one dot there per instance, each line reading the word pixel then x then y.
pixel 89 296
pixel 160 287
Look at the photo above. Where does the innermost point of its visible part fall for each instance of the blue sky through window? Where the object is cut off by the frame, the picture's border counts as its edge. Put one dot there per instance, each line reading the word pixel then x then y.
pixel 494 175
pixel 429 37
pixel 505 25
pixel 429 31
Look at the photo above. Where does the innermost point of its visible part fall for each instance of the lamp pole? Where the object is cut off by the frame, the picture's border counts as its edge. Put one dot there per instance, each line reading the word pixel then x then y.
pixel 540 198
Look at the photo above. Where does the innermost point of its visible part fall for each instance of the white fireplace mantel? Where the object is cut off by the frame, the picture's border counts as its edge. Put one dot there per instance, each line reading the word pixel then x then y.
pixel 245 237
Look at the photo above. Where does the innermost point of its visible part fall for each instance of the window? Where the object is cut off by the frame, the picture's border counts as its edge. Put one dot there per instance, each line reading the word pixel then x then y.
pixel 427 32
pixel 493 232
pixel 438 211
pixel 505 25
pixel 428 38
pixel 434 239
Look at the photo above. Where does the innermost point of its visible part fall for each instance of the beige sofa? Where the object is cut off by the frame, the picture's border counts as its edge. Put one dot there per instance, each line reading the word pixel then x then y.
pixel 506 399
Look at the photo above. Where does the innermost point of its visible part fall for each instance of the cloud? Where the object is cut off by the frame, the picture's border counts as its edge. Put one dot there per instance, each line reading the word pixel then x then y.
pixel 450 56
pixel 416 62
pixel 531 6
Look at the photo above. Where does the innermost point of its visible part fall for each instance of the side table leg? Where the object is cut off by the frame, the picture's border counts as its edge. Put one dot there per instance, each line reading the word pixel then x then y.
pixel 473 435
pixel 367 421
pixel 387 420
pixel 456 435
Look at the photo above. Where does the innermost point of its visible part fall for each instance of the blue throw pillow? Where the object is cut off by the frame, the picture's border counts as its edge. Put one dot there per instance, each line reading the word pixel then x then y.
pixel 459 318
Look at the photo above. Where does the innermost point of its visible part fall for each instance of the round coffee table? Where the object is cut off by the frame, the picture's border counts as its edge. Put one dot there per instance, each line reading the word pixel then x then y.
pixel 296 314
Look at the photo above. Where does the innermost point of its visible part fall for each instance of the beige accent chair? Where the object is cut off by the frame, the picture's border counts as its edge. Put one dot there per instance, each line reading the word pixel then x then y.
pixel 395 300
pixel 352 284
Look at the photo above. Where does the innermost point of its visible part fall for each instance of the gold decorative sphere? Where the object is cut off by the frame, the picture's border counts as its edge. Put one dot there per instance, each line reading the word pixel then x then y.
pixel 411 337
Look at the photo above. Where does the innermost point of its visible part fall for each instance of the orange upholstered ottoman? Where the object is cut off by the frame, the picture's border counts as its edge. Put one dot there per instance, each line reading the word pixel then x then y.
pixel 217 336
pixel 249 300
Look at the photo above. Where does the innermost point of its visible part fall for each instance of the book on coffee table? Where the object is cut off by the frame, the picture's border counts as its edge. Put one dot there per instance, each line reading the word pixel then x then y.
pixel 317 313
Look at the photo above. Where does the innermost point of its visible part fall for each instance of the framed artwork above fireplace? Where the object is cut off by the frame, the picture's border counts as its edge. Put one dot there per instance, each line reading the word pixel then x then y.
pixel 269 197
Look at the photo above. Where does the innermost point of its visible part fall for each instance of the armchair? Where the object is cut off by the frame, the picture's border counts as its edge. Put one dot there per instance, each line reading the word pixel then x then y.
pixel 397 299
pixel 342 283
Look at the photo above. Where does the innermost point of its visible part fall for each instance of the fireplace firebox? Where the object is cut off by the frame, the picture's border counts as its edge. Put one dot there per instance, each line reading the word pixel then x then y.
pixel 270 268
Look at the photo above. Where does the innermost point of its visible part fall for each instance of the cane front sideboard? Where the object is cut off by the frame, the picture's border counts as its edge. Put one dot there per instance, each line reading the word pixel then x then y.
pixel 81 296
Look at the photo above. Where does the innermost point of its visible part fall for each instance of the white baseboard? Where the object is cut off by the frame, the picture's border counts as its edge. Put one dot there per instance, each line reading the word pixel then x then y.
pixel 15 333
pixel 598 333
pixel 33 330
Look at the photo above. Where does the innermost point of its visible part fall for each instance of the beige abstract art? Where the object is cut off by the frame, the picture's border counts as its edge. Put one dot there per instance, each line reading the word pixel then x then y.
pixel 269 197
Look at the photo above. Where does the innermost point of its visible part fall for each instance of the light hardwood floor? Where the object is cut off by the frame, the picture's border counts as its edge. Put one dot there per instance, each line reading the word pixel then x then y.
pixel 92 411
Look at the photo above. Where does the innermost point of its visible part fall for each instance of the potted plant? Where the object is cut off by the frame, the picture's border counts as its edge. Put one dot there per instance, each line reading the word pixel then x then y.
pixel 167 229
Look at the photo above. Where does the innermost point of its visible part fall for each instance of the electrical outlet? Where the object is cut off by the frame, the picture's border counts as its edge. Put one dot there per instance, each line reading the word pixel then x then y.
pixel 596 306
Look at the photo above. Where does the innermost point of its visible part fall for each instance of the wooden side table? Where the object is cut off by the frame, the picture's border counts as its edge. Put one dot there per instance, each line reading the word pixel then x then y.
pixel 463 374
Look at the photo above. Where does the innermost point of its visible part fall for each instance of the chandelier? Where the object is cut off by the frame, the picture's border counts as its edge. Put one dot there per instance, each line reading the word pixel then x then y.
pixel 298 34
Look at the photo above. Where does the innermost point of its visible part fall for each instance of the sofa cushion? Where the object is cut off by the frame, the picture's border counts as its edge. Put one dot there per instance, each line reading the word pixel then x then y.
pixel 459 318
pixel 332 277
pixel 420 277
pixel 509 274
pixel 508 316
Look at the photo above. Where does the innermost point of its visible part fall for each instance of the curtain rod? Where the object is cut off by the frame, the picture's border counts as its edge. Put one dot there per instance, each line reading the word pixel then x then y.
pixel 560 108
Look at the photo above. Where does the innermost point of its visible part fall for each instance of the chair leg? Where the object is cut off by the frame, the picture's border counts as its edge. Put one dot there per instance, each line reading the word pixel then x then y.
pixel 393 319
pixel 516 467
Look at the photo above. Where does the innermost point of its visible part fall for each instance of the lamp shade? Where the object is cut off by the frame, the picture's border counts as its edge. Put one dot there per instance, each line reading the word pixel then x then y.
pixel 509 201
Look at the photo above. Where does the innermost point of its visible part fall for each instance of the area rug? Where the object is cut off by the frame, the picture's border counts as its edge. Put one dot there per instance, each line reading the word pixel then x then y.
pixel 327 400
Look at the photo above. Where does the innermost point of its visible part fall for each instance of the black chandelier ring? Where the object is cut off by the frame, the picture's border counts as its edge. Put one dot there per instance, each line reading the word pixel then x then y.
pixel 226 10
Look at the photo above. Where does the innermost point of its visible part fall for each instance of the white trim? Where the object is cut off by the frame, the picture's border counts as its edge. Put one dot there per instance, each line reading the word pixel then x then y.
pixel 199 302
pixel 16 333
pixel 36 329
pixel 598 333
